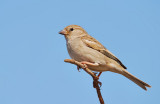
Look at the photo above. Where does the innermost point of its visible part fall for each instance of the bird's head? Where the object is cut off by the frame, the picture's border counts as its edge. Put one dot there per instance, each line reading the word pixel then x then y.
pixel 72 31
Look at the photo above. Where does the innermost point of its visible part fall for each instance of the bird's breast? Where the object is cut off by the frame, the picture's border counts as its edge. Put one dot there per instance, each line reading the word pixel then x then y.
pixel 76 50
pixel 80 52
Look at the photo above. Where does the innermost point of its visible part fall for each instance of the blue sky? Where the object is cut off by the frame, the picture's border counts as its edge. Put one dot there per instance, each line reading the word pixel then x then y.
pixel 32 70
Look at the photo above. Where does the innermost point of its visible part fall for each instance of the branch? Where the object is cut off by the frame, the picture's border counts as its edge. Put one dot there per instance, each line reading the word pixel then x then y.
pixel 96 83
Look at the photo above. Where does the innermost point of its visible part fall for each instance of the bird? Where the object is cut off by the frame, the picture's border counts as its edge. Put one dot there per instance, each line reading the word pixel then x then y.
pixel 85 49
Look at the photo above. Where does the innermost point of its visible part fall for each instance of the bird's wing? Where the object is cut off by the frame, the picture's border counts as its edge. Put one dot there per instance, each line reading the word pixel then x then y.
pixel 94 44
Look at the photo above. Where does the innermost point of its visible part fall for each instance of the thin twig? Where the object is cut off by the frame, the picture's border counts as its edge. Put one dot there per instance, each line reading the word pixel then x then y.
pixel 96 83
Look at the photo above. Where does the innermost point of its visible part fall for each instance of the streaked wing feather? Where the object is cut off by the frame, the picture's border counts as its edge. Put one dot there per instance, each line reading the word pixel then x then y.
pixel 94 44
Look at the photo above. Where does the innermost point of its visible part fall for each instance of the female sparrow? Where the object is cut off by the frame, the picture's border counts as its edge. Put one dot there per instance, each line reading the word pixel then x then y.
pixel 87 50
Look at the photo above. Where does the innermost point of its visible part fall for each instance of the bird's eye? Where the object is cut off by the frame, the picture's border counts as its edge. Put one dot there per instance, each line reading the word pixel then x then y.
pixel 71 29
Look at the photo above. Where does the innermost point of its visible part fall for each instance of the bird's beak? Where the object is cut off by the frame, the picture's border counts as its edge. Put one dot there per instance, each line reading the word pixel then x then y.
pixel 63 32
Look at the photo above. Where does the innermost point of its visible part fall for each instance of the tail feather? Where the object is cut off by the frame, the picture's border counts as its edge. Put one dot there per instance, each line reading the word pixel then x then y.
pixel 136 80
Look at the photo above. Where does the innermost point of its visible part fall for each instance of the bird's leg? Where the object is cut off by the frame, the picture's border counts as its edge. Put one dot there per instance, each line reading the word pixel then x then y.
pixel 89 63
pixel 96 83
pixel 85 63
pixel 78 67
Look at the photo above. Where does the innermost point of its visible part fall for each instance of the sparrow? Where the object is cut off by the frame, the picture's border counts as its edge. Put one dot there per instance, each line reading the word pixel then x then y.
pixel 85 49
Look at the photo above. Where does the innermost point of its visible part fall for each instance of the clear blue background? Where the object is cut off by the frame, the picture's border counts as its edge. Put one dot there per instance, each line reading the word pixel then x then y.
pixel 32 70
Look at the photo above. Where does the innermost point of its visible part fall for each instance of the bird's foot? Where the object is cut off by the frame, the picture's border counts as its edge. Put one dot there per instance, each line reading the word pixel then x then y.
pixel 78 68
pixel 89 63
pixel 84 66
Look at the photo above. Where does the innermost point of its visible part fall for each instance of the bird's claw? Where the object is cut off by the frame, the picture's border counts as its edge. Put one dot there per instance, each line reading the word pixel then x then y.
pixel 84 67
pixel 78 68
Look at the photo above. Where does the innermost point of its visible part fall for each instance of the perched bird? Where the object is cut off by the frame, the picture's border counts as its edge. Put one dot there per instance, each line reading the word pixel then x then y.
pixel 87 50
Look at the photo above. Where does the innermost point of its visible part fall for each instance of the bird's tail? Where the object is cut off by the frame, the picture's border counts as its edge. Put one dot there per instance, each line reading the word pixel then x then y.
pixel 135 80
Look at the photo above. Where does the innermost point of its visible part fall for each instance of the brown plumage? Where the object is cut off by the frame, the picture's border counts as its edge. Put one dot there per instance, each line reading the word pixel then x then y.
pixel 84 48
